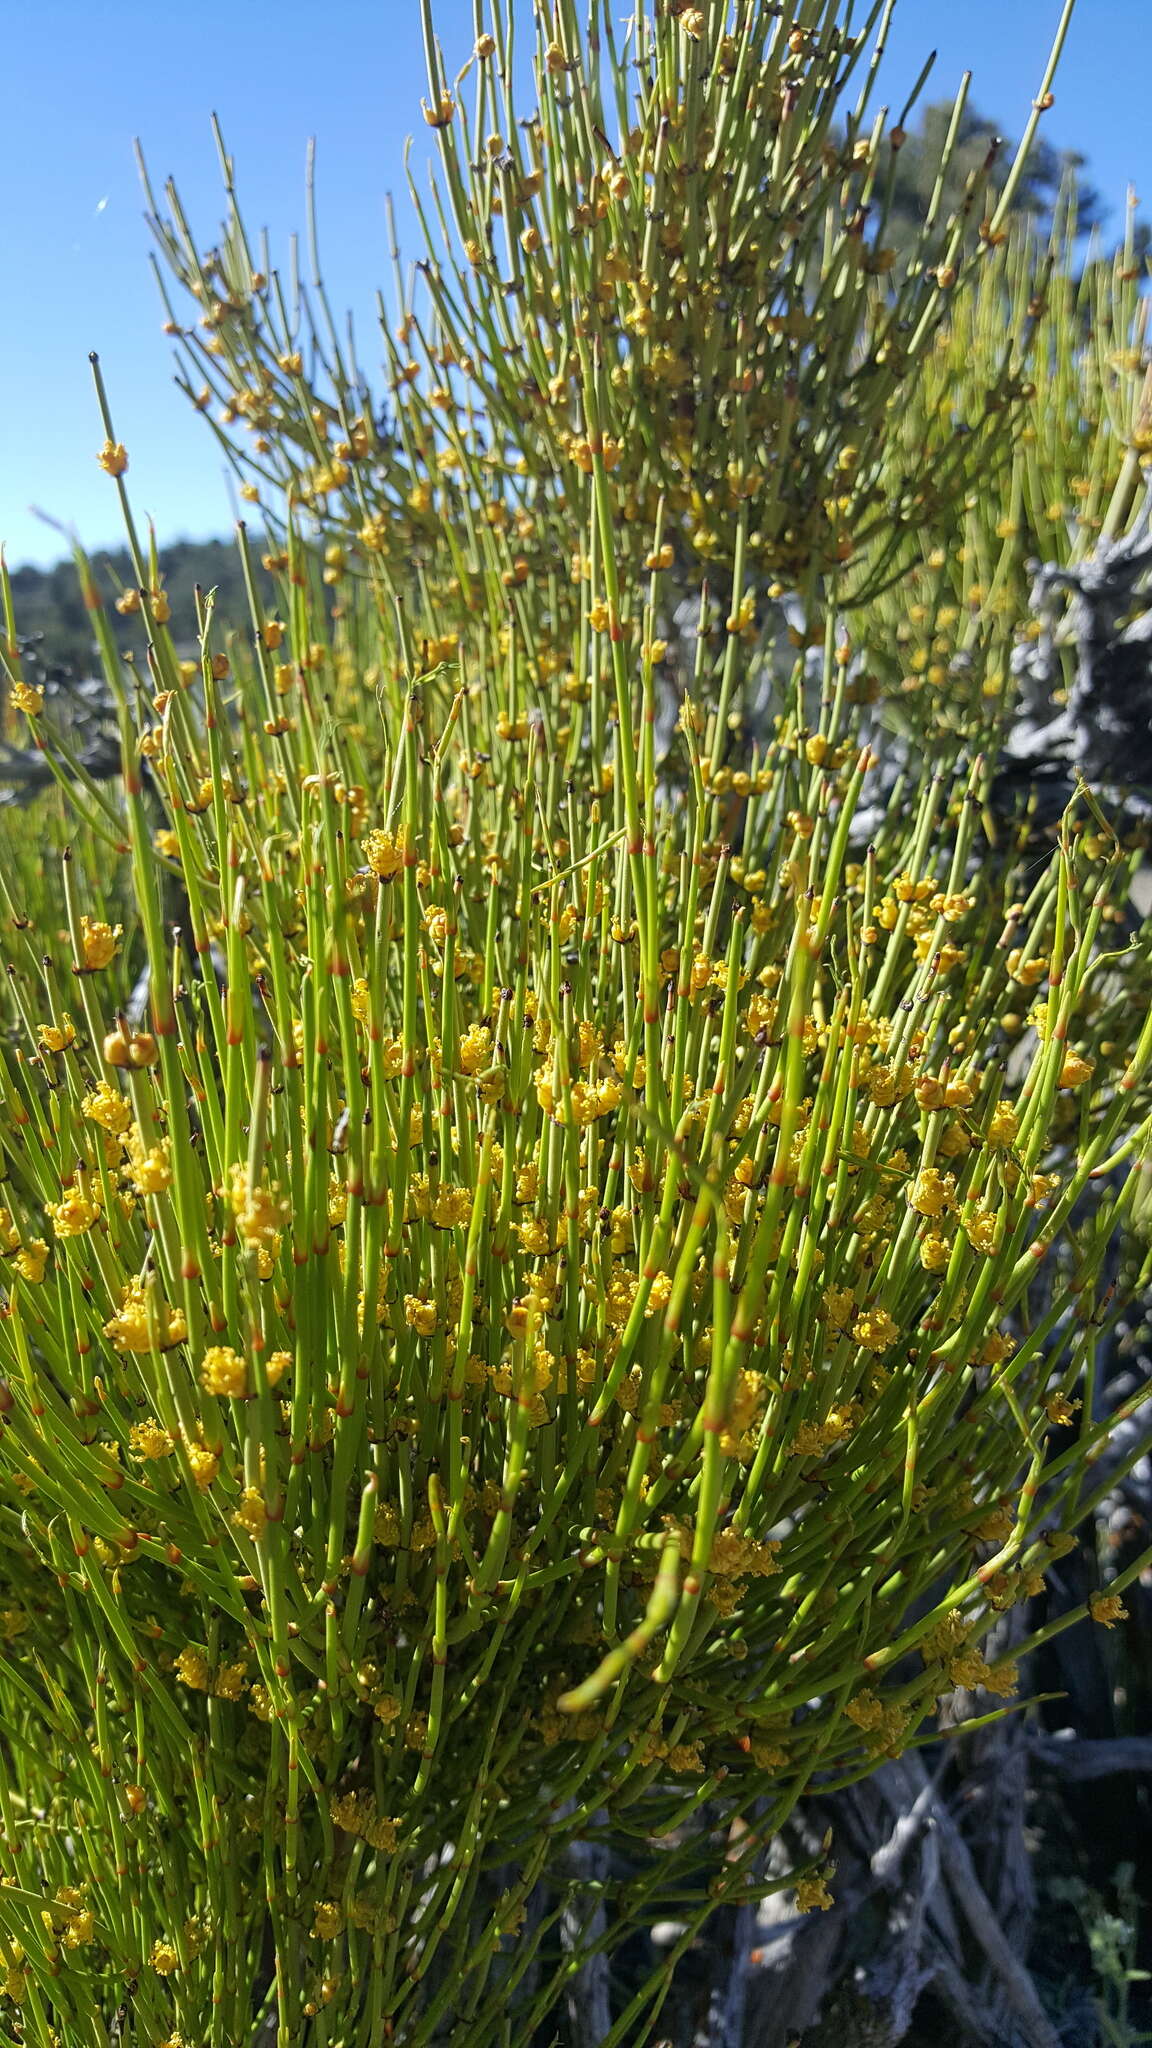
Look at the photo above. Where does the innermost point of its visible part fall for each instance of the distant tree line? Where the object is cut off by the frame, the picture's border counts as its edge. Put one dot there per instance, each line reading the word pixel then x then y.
pixel 51 612
pixel 1052 178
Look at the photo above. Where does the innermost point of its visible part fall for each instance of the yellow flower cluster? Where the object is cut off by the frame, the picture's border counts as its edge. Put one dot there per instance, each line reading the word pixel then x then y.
pixel 108 1108
pixel 252 1515
pixel 932 1193
pixel 99 942
pixel 143 1322
pixel 385 853
pixel 150 1440
pixel 1107 1609
pixel 75 1212
pixel 583 1103
pixel 226 1682
pixel 149 1167
pixel 224 1373
pixel 259 1211
pixel 355 1813
pixel 875 1330
pixel 420 1315
pixel 57 1037
pixel 883 1722
pixel 737 1556
pixel 812 1439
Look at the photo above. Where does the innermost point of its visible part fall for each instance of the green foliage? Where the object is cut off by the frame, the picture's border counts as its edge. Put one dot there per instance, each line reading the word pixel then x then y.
pixel 548 1322
pixel 1112 1936
pixel 568 311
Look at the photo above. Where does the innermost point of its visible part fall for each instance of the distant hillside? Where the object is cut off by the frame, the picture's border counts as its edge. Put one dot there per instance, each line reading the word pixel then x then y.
pixel 49 605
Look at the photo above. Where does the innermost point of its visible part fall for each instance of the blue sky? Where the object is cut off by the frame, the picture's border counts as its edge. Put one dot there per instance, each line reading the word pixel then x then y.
pixel 80 83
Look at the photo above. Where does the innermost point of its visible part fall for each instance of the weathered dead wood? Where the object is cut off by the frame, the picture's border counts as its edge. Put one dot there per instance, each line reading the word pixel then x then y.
pixel 1081 1760
pixel 1017 1985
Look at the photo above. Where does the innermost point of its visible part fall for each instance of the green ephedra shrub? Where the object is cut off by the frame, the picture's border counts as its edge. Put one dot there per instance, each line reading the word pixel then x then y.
pixel 551 1286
